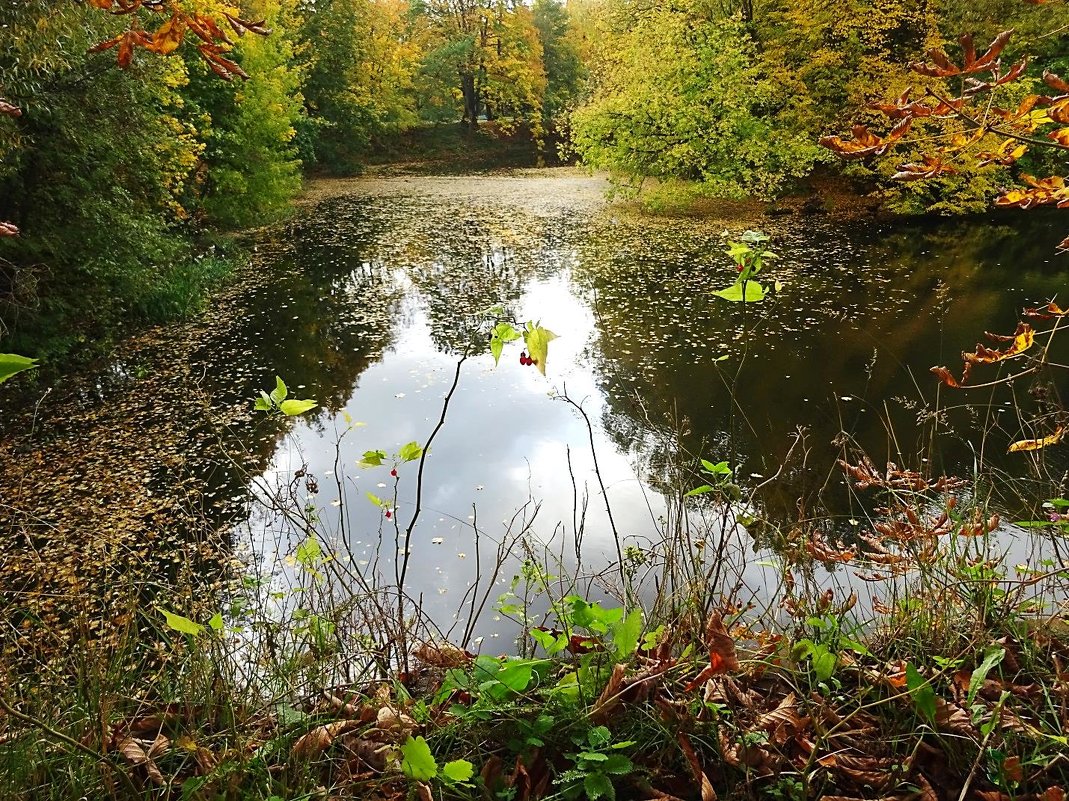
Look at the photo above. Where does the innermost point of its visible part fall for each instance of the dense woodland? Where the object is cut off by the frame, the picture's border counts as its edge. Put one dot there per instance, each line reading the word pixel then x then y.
pixel 119 180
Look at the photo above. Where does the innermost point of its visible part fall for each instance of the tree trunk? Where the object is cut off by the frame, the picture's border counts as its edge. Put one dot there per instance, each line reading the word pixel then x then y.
pixel 471 100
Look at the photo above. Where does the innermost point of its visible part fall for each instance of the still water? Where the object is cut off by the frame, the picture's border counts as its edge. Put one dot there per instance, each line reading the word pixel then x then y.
pixel 375 290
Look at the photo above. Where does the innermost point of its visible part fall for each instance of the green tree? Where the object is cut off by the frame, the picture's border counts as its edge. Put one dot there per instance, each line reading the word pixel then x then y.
pixel 560 58
pixel 678 92
pixel 250 167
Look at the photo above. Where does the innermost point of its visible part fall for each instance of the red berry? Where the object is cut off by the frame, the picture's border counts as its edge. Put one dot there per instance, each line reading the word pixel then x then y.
pixel 523 358
pixel 393 473
pixel 739 268
pixel 389 514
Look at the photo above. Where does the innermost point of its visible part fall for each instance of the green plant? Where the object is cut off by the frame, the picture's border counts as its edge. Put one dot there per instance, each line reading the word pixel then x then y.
pixel 749 255
pixel 279 401
pixel 595 765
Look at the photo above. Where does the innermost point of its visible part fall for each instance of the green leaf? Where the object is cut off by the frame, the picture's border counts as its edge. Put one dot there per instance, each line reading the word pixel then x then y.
pixel 279 393
pixel 718 469
pixel 372 459
pixel 410 452
pixel 824 662
pixel 502 333
pixel 704 488
pixel 263 403
pixel 754 292
pixel 459 770
pixel 598 785
pixel 309 552
pixel 991 658
pixel 292 408
pixel 375 499
pixel 12 363
pixel 922 692
pixel 617 764
pixel 550 644
pixel 216 621
pixel 417 762
pixel 538 339
pixel 516 675
pixel 626 633
pixel 182 624
pixel 594 756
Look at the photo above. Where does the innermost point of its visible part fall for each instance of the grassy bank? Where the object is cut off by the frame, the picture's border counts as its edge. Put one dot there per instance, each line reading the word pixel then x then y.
pixel 953 686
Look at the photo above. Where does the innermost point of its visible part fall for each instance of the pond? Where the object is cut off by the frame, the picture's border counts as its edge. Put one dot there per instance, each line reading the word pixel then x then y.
pixel 368 299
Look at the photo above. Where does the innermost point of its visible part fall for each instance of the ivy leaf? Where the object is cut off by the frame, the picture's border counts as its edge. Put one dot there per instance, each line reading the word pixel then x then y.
pixel 292 408
pixel 216 621
pixel 279 393
pixel 537 339
pixel 410 452
pixel 182 624
pixel 309 552
pixel 12 363
pixel 417 762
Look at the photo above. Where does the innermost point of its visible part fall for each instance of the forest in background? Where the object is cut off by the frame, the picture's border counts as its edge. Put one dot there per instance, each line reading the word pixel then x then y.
pixel 120 180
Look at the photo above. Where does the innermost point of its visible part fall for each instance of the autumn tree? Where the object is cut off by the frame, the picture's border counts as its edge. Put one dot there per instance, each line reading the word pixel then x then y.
pixel 491 52
pixel 677 92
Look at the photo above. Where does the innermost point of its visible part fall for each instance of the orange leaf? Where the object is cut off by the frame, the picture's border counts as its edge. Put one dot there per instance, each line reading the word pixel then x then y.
pixel 1037 444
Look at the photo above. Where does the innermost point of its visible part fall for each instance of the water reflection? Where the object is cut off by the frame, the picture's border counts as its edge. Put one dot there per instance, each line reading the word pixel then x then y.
pixel 372 296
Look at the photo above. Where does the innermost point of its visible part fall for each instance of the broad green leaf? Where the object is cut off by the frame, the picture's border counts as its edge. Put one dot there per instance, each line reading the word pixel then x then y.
pixel 12 363
pixel 617 764
pixel 824 662
pixel 718 469
pixel 754 292
pixel 594 756
pixel 182 624
pixel 459 770
pixel 263 403
pixel 216 621
pixel 309 552
pixel 922 692
pixel 991 658
pixel 417 761
pixel 598 785
pixel 550 644
pixel 599 736
pixel 372 459
pixel 704 488
pixel 626 633
pixel 279 393
pixel 292 408
pixel 375 499
pixel 537 339
pixel 410 452
pixel 502 333
pixel 516 675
